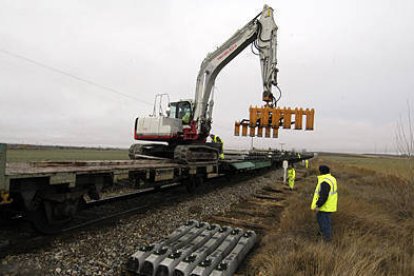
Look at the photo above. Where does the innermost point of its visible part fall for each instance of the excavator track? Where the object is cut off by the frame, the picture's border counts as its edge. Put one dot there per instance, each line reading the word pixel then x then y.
pixel 182 153
pixel 195 153
pixel 150 151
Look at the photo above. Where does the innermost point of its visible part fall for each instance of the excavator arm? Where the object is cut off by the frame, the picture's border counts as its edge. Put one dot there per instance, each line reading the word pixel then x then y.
pixel 261 31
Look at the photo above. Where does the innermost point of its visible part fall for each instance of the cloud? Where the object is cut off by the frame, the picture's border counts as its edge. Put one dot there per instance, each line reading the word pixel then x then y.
pixel 352 61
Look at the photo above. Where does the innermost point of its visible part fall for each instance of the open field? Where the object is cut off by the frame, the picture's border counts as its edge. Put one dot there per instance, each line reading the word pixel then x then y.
pixel 386 165
pixel 373 228
pixel 56 154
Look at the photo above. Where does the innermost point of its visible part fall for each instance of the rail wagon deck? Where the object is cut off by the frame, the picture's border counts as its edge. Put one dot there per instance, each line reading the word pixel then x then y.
pixel 52 192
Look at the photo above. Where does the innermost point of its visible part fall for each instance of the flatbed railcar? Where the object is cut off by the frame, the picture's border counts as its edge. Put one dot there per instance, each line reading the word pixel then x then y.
pixel 52 192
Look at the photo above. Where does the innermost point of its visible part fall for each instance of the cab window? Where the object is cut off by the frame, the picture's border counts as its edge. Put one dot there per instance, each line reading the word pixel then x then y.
pixel 173 110
pixel 184 109
pixel 184 112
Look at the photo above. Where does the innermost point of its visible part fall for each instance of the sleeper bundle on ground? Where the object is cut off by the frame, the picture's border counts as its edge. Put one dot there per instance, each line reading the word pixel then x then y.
pixel 195 248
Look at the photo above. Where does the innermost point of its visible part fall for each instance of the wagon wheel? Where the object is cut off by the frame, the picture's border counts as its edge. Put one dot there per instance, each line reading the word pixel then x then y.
pixel 52 217
pixel 193 183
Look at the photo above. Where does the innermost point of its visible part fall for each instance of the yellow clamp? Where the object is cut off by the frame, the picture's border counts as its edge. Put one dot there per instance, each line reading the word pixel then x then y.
pixel 265 120
pixel 5 198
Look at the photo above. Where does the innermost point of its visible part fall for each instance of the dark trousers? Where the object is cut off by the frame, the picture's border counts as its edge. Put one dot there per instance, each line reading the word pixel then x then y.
pixel 325 225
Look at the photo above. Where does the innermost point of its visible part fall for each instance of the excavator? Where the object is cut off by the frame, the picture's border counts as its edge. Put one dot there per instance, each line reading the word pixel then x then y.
pixel 187 123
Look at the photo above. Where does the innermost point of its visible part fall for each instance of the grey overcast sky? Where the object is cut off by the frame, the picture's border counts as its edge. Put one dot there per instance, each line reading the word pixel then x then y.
pixel 353 61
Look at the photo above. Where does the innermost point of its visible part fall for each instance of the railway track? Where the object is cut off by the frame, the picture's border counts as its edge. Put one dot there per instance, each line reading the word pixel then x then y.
pixel 161 179
pixel 51 193
pixel 103 248
pixel 18 235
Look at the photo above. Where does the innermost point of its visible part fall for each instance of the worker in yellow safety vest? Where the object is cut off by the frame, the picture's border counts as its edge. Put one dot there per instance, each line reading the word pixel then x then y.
pixel 218 140
pixel 185 115
pixel 291 173
pixel 307 163
pixel 325 201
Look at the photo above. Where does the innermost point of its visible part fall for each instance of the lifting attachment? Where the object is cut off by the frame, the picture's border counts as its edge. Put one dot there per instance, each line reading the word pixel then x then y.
pixel 265 121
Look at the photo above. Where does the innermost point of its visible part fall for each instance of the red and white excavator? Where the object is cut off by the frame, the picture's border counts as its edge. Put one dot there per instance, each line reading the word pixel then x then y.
pixel 187 123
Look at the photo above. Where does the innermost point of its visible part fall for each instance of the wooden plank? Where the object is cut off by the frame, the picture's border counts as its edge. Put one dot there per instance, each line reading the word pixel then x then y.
pixel 277 204
pixel 269 197
pixel 79 167
pixel 99 166
pixel 256 212
pixel 241 223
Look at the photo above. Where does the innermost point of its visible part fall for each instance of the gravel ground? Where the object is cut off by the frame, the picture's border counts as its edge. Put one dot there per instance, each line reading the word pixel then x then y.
pixel 103 250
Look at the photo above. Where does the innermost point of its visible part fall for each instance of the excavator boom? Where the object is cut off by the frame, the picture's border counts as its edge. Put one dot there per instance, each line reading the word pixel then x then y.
pixel 261 31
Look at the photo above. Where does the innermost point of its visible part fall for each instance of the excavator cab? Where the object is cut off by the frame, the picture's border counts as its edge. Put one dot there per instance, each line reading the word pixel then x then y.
pixel 181 110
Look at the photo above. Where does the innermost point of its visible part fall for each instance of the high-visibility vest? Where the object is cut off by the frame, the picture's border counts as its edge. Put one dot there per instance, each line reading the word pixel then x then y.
pixel 217 139
pixel 332 201
pixel 291 173
pixel 186 118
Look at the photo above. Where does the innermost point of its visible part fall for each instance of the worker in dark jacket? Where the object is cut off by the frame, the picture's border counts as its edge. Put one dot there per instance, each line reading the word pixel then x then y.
pixel 325 201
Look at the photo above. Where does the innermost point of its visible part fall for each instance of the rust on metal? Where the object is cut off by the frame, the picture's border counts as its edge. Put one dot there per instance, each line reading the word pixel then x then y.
pixel 298 118
pixel 237 128
pixel 310 116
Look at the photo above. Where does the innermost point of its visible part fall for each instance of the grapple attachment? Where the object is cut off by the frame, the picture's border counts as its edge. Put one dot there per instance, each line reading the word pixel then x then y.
pixel 265 121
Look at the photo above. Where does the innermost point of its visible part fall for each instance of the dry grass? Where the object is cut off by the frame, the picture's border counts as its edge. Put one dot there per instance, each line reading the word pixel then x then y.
pixel 393 165
pixel 373 229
